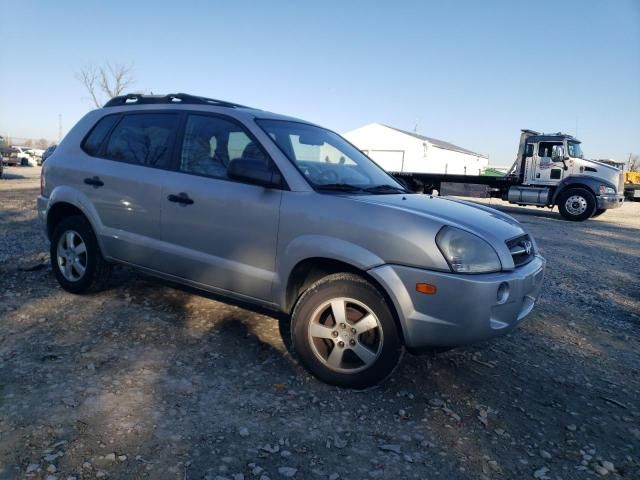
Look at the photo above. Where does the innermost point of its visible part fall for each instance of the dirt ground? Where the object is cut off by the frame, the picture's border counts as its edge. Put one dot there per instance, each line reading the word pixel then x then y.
pixel 151 380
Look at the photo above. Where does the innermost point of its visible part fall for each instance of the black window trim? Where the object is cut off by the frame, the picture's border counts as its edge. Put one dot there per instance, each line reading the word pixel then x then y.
pixel 177 142
pixel 243 127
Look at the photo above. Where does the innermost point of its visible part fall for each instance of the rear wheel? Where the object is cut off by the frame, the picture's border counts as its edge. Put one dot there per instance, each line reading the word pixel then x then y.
pixel 344 333
pixel 577 204
pixel 76 259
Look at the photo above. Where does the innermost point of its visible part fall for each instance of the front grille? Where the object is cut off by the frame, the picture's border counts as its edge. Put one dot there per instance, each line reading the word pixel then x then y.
pixel 522 250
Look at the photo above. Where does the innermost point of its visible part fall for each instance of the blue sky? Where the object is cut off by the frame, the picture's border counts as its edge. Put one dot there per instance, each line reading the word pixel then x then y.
pixel 470 72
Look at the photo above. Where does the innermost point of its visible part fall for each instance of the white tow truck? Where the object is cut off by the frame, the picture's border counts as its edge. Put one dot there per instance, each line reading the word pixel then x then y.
pixel 549 170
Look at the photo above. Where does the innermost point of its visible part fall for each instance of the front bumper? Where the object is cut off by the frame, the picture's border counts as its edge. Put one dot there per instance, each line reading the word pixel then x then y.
pixel 465 308
pixel 606 202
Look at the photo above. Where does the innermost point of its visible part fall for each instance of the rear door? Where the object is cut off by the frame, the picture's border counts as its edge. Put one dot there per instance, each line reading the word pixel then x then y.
pixel 122 177
pixel 219 232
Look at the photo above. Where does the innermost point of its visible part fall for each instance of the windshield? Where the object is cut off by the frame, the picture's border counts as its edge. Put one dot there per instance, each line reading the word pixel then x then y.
pixel 327 160
pixel 574 150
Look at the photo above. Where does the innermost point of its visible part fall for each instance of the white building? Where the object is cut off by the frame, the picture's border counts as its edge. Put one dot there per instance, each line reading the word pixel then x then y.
pixel 397 150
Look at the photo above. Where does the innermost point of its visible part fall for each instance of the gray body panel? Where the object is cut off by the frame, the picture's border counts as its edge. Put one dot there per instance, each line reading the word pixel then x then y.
pixel 226 239
pixel 245 240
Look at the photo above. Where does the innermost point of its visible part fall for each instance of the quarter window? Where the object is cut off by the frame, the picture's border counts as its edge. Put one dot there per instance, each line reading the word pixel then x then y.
pixel 143 139
pixel 211 143
pixel 95 139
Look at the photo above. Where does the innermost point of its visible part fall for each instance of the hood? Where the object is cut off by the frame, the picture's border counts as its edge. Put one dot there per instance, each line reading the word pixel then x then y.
pixel 611 168
pixel 608 173
pixel 484 221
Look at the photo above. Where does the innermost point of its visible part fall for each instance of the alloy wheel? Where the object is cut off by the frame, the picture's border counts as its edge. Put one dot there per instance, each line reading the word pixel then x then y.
pixel 345 335
pixel 72 256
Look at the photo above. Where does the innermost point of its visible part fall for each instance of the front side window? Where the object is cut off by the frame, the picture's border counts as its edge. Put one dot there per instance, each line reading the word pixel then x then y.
pixel 327 160
pixel 143 139
pixel 545 149
pixel 574 150
pixel 211 143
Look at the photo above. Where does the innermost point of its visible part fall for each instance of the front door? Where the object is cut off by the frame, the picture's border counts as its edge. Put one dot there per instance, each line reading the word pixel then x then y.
pixel 219 232
pixel 546 171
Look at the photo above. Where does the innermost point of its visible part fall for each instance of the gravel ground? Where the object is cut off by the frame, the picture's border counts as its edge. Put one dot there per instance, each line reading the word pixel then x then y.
pixel 151 380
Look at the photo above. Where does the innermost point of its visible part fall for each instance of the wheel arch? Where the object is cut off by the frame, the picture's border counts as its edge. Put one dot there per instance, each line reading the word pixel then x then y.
pixel 309 270
pixel 65 201
pixel 591 184
pixel 58 212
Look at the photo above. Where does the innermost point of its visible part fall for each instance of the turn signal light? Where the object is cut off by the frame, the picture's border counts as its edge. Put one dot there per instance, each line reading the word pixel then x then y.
pixel 426 288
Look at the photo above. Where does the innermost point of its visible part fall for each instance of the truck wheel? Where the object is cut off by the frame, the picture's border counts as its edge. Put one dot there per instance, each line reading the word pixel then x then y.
pixel 76 259
pixel 344 333
pixel 599 212
pixel 577 204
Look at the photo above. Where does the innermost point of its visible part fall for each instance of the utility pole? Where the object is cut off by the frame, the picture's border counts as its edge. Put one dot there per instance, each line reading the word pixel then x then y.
pixel 59 128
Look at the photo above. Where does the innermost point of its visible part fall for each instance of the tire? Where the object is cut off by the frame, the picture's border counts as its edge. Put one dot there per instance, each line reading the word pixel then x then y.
pixel 24 162
pixel 327 347
pixel 599 212
pixel 77 232
pixel 577 204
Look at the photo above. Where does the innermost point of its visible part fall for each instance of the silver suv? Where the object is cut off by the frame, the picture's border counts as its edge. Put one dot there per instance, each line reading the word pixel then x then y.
pixel 285 214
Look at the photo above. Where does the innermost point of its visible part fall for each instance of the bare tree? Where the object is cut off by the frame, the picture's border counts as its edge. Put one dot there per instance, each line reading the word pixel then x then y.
pixel 633 164
pixel 42 143
pixel 108 81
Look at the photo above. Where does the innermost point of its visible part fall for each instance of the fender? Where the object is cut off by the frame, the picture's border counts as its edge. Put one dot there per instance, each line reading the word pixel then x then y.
pixel 66 194
pixel 314 246
pixel 584 181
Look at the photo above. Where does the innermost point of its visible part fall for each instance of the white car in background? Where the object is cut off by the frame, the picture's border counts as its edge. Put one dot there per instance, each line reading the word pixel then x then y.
pixel 25 156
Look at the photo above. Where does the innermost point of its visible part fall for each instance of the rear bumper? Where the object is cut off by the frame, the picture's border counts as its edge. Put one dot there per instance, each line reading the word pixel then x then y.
pixel 606 202
pixel 42 204
pixel 465 308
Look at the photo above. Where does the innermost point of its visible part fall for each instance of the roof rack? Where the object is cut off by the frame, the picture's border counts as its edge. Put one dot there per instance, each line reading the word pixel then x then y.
pixel 175 98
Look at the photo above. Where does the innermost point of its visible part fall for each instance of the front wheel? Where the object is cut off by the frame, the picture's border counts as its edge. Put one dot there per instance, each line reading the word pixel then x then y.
pixel 344 333
pixel 577 204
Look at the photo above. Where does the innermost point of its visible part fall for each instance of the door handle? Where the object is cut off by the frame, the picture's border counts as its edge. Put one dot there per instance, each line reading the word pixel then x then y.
pixel 94 181
pixel 182 198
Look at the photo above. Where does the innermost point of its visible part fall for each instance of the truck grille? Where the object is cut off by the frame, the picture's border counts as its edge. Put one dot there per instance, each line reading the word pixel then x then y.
pixel 621 182
pixel 522 250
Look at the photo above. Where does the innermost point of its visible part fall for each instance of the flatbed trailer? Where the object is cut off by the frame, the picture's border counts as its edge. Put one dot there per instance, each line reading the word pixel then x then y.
pixel 433 181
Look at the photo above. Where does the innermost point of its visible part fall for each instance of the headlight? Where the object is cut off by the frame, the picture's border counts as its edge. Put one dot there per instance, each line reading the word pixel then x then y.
pixel 604 190
pixel 467 253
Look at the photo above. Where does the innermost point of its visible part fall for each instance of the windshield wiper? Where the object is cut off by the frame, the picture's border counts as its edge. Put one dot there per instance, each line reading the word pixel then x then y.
pixel 340 187
pixel 385 189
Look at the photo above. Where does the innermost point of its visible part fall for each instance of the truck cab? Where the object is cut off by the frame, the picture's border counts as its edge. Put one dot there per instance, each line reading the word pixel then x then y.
pixel 551 170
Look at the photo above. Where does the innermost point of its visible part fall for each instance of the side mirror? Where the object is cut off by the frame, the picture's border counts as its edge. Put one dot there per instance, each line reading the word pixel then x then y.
pixel 557 153
pixel 254 171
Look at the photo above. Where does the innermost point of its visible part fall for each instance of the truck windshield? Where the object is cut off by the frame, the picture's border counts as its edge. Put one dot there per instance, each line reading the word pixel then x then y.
pixel 574 150
pixel 328 161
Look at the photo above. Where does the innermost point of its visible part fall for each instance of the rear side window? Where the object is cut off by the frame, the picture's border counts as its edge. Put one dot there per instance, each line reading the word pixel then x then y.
pixel 143 139
pixel 98 133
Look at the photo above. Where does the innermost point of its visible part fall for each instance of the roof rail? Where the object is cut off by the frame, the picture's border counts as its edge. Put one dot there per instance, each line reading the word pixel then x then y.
pixel 175 98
